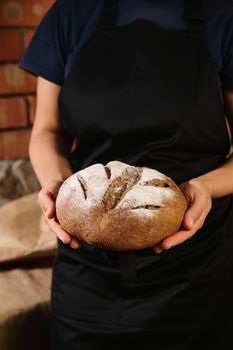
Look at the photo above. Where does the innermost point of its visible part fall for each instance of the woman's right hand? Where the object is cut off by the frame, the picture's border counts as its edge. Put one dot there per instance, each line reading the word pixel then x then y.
pixel 47 198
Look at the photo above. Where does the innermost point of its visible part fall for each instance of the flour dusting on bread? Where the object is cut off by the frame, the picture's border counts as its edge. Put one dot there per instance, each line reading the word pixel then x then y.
pixel 120 206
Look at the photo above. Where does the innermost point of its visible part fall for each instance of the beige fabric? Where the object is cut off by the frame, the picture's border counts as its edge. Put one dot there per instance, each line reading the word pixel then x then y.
pixel 24 310
pixel 27 248
pixel 24 233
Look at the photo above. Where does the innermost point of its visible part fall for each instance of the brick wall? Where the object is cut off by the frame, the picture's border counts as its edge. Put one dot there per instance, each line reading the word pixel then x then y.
pixel 18 20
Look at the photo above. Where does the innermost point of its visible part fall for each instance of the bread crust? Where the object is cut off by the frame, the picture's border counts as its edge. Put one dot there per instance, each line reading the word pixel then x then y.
pixel 118 206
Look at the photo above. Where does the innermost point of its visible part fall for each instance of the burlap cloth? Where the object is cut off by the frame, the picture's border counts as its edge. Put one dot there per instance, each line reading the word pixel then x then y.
pixel 27 248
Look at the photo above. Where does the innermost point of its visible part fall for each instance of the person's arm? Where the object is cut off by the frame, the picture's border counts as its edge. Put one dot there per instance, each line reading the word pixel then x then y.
pixel 220 180
pixel 49 144
pixel 49 150
pixel 200 191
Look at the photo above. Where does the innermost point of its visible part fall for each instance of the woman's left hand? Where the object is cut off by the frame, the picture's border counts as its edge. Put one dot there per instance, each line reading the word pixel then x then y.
pixel 198 196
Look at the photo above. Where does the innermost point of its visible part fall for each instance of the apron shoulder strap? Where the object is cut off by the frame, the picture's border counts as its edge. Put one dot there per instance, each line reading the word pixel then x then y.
pixel 195 13
pixel 108 16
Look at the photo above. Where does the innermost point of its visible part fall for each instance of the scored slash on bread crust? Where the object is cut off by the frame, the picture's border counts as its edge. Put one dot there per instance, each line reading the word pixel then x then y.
pixel 108 171
pixel 83 185
pixel 119 206
pixel 119 186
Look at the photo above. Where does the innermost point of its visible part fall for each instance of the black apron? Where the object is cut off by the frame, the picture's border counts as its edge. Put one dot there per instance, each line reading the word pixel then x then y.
pixel 148 97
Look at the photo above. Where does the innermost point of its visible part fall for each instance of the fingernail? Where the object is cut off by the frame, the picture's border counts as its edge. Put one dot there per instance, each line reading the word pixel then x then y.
pixel 66 241
pixel 75 245
pixel 158 250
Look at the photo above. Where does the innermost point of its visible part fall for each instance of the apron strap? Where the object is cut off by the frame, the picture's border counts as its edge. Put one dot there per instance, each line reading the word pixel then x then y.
pixel 108 17
pixel 195 14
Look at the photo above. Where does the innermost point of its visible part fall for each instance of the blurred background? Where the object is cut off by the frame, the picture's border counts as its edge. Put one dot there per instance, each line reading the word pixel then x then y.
pixel 18 20
pixel 27 248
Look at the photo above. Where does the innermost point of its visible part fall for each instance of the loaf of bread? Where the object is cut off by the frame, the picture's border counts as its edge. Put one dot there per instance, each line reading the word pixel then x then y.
pixel 119 206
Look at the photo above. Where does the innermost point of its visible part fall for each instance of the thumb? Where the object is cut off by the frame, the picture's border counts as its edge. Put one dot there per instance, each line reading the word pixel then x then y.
pixel 192 215
pixel 46 202
pixel 188 222
pixel 52 191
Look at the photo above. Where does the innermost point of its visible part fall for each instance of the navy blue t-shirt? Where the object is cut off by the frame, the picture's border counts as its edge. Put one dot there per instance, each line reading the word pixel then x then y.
pixel 68 24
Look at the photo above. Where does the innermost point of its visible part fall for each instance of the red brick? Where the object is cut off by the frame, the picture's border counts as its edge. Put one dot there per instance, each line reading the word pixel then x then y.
pixel 23 12
pixel 13 112
pixel 27 37
pixel 32 108
pixel 11 45
pixel 14 144
pixel 14 80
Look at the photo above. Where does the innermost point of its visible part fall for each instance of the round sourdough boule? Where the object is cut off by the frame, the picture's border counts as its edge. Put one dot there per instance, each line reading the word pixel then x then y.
pixel 119 206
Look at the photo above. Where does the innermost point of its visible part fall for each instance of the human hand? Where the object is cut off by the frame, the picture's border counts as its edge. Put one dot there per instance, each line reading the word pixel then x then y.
pixel 199 199
pixel 46 198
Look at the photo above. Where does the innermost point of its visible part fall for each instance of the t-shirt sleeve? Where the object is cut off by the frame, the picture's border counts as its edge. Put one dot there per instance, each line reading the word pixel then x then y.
pixel 46 53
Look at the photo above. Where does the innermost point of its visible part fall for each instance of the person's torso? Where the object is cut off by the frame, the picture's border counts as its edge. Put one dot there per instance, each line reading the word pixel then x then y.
pixel 147 96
